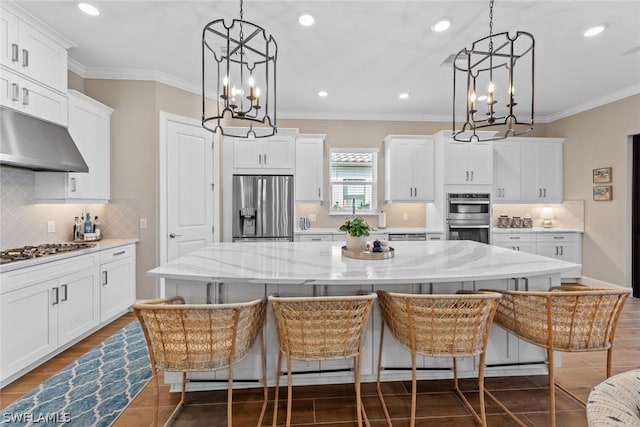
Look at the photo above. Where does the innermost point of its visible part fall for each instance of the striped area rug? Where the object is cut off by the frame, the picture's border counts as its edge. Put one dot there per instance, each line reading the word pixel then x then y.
pixel 93 390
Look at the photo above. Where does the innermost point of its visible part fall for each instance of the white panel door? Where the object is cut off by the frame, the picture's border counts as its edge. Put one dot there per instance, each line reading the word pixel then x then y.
pixel 42 59
pixel 401 170
pixel 506 171
pixel 79 308
pixel 189 188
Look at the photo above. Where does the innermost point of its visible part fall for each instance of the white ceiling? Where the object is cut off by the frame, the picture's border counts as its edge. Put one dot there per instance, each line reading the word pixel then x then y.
pixel 364 53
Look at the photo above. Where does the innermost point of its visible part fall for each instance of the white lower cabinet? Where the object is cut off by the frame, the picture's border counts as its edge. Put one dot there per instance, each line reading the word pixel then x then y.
pixel 320 237
pixel 117 273
pixel 47 307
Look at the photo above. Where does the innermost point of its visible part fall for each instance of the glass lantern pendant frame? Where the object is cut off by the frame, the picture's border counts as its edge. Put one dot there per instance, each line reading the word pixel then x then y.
pixel 486 73
pixel 243 57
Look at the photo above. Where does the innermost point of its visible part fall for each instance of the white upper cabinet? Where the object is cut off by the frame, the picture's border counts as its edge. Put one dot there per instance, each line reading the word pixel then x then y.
pixel 309 177
pixel 275 152
pixel 409 168
pixel 506 167
pixel 89 126
pixel 33 66
pixel 541 177
pixel 32 50
pixel 467 162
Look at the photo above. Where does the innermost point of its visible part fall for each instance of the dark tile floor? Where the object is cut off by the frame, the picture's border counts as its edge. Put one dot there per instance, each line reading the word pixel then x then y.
pixel 334 405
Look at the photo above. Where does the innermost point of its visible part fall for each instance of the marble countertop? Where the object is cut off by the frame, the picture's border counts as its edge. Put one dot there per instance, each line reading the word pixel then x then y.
pixel 323 263
pixel 99 246
pixel 330 230
pixel 535 230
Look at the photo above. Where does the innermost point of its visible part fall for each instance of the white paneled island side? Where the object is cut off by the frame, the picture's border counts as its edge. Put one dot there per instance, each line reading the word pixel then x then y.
pixel 234 272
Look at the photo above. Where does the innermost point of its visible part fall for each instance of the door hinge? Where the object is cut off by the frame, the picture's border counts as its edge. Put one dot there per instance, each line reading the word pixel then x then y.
pixel 213 186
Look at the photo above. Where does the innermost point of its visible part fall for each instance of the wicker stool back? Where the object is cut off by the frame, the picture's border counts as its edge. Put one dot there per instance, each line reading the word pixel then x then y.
pixel 321 328
pixel 567 318
pixel 200 337
pixel 439 326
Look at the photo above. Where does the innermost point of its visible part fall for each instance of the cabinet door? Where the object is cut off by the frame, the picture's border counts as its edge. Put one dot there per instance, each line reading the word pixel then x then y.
pixel 42 59
pixel 550 154
pixel 79 308
pixel 89 128
pixel 9 45
pixel 400 172
pixel 456 166
pixel 480 162
pixel 115 290
pixel 278 152
pixel 423 171
pixel 309 169
pixel 506 163
pixel 29 326
pixel 247 153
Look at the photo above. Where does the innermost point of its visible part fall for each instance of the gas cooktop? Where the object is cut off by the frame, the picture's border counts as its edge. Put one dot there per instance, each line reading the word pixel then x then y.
pixel 29 252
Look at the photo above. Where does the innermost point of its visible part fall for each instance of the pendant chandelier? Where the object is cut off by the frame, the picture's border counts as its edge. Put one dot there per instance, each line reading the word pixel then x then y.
pixel 485 79
pixel 239 65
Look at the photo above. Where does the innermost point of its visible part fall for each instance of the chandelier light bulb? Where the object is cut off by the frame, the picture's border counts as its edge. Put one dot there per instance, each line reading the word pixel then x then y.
pixel 472 97
pixel 491 88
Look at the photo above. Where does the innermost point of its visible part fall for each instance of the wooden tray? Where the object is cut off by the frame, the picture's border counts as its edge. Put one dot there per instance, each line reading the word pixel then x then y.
pixel 367 255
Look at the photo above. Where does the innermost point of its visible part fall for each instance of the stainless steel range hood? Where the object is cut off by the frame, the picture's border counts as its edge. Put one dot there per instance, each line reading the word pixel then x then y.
pixel 30 143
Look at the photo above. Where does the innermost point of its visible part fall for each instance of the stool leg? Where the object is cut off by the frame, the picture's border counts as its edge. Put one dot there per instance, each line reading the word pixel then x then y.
pixel 378 387
pixel 552 388
pixel 414 386
pixel 277 393
pixel 289 390
pixel 356 379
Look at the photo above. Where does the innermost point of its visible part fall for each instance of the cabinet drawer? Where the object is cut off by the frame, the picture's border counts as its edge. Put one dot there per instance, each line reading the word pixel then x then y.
pixel 558 237
pixel 117 253
pixel 315 237
pixel 514 237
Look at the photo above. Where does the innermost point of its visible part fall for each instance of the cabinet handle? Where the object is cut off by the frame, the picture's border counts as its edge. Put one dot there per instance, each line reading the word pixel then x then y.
pixel 467 179
pixel 14 52
pixel 64 289
pixel 555 248
pixel 558 237
pixel 316 239
pixel 415 191
pixel 119 253
pixel 514 238
pixel 265 159
pixel 55 296
pixel 434 238
pixel 561 250
pixel 15 96
pixel 73 185
pixel 25 58
pixel 25 96
pixel 259 159
pixel 105 278
pixel 544 192
pixel 318 191
pixel 471 175
pixel 410 192
pixel 518 248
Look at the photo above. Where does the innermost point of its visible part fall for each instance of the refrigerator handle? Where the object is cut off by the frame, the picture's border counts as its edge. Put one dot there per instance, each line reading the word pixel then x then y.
pixel 259 207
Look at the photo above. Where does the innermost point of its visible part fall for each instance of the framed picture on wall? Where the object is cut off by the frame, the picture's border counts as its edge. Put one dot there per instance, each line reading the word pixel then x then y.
pixel 602 175
pixel 602 193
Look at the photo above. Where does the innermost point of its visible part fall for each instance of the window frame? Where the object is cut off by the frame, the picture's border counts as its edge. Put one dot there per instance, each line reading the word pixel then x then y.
pixel 373 210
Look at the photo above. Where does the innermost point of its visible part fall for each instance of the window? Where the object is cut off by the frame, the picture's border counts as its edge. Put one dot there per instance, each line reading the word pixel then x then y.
pixel 353 175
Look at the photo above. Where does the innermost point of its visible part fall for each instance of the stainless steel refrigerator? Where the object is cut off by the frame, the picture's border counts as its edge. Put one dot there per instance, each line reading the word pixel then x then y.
pixel 263 207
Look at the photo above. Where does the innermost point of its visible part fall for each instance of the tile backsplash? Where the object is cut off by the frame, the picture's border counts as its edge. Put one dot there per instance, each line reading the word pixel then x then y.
pixel 23 221
pixel 568 214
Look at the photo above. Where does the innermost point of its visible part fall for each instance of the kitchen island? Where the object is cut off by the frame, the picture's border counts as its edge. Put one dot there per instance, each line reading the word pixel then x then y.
pixel 233 272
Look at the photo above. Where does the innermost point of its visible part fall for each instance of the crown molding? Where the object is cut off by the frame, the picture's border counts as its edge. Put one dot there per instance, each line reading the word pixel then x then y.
pixel 598 102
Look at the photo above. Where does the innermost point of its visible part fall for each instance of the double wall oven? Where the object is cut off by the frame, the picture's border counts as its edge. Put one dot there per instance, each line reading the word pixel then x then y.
pixel 469 216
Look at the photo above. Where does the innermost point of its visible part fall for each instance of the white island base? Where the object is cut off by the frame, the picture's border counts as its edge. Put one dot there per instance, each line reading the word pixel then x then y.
pixel 236 272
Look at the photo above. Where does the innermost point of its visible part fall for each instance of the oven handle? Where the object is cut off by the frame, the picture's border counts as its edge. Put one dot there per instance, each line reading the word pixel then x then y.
pixel 467 226
pixel 469 202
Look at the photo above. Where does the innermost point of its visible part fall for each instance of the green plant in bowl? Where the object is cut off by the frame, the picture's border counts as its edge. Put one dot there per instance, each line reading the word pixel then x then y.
pixel 356 227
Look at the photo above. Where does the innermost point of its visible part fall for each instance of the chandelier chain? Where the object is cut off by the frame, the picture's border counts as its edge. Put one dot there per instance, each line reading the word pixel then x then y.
pixel 490 26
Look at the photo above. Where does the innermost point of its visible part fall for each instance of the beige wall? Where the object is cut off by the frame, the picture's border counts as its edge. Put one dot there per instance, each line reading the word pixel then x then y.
pixel 594 138
pixel 599 138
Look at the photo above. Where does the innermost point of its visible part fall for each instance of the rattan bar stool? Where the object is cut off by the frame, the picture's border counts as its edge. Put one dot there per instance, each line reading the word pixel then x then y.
pixel 200 337
pixel 567 318
pixel 321 328
pixel 438 326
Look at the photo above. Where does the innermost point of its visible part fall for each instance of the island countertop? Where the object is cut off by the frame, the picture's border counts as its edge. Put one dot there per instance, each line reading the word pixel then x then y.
pixel 323 263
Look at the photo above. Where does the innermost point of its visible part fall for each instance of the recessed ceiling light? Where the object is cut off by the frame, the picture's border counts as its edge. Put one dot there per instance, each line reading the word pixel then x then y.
pixel 594 31
pixel 441 25
pixel 88 9
pixel 323 93
pixel 306 20
pixel 403 95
